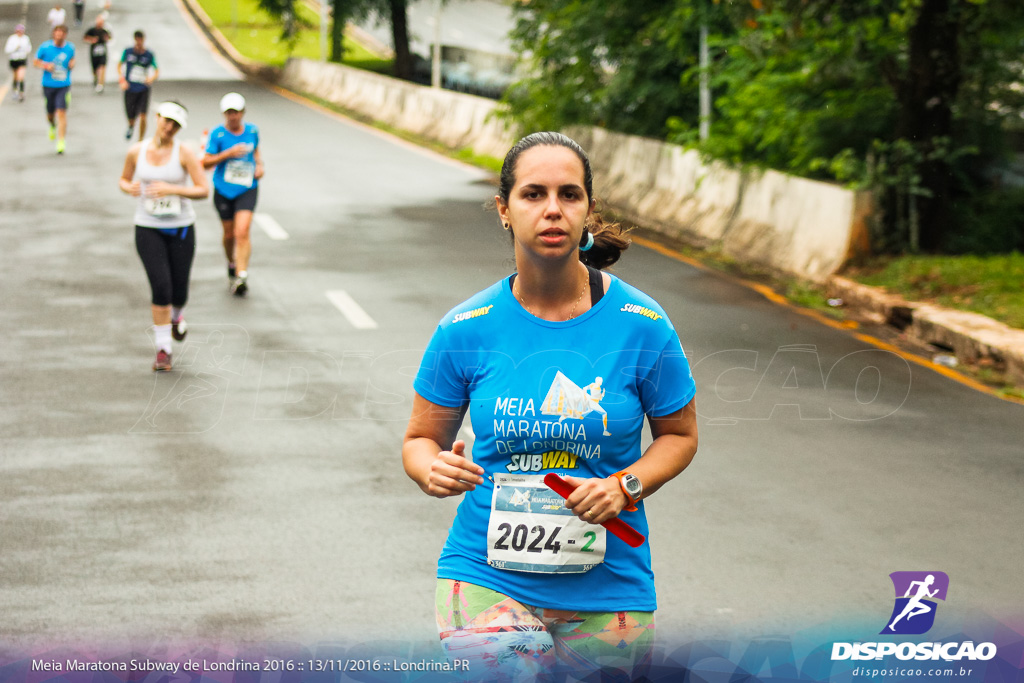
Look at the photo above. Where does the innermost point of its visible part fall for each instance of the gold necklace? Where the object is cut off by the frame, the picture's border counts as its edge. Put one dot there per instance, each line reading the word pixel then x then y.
pixel 572 311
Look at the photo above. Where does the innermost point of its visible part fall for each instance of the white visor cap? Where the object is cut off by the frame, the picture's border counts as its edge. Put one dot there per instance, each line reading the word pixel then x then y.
pixel 173 111
pixel 232 101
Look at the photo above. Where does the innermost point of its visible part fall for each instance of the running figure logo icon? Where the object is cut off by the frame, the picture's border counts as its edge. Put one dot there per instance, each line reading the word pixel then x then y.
pixel 916 592
pixel 567 400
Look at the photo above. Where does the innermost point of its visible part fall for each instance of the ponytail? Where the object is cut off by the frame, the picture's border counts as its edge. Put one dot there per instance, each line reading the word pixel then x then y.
pixel 609 242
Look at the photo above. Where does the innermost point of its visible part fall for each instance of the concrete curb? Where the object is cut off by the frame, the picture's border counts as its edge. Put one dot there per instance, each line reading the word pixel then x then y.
pixel 971 337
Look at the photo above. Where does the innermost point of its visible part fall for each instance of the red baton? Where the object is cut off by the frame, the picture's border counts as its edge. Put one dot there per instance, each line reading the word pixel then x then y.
pixel 625 532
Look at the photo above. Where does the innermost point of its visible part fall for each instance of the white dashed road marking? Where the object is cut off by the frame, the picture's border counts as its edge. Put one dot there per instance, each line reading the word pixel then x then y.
pixel 355 314
pixel 270 226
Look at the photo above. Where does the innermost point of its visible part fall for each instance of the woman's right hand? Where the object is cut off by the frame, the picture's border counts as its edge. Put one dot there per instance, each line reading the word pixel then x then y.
pixel 134 188
pixel 452 474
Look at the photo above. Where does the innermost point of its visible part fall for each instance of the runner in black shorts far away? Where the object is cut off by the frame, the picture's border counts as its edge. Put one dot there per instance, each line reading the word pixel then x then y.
pixel 98 36
pixel 136 72
pixel 234 151
pixel 17 49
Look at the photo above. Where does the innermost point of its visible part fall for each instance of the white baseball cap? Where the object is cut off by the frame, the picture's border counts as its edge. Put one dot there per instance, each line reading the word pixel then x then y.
pixel 173 111
pixel 232 101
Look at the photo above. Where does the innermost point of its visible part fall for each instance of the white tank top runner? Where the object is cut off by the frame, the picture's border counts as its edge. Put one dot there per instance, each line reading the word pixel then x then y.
pixel 166 212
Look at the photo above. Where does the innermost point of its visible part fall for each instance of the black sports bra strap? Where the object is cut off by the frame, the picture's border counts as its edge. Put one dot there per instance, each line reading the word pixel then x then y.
pixel 596 285
pixel 595 280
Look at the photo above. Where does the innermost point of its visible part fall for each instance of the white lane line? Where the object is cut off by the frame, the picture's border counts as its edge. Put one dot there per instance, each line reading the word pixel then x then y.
pixel 270 226
pixel 355 314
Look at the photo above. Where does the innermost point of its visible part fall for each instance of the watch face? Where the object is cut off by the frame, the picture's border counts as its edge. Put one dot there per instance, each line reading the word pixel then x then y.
pixel 633 485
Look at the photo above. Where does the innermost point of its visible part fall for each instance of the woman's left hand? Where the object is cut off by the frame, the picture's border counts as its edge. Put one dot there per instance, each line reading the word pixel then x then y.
pixel 595 500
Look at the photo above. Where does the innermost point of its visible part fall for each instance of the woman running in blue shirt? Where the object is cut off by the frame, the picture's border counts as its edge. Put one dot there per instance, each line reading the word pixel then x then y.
pixel 528 582
pixel 233 151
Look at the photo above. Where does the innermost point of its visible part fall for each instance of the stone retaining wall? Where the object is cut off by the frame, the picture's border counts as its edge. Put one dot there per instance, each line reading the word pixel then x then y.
pixel 793 225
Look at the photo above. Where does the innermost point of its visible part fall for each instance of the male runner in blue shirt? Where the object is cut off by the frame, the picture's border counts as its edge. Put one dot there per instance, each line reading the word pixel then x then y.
pixel 56 58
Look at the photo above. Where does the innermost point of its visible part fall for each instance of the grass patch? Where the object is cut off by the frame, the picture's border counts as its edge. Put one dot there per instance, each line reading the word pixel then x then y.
pixel 989 285
pixel 257 35
pixel 812 296
pixel 489 163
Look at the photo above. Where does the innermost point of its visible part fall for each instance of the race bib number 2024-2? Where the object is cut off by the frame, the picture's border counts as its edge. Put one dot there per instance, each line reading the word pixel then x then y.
pixel 531 530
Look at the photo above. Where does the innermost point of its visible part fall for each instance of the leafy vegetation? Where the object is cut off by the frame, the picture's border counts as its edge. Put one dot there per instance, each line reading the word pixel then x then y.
pixel 913 99
pixel 288 13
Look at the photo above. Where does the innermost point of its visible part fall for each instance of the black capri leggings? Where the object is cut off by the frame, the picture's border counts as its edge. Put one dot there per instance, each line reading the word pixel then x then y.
pixel 167 256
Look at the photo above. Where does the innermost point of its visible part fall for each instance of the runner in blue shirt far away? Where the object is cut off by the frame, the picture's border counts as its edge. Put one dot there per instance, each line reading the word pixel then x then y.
pixel 233 151
pixel 57 58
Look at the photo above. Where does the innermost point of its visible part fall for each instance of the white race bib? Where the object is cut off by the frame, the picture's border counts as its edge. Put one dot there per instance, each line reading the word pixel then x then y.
pixel 238 172
pixel 59 73
pixel 137 74
pixel 169 205
pixel 99 49
pixel 531 530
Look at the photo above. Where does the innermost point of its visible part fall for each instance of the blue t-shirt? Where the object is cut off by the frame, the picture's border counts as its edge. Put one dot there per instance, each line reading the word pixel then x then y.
pixel 232 177
pixel 61 57
pixel 566 397
pixel 137 67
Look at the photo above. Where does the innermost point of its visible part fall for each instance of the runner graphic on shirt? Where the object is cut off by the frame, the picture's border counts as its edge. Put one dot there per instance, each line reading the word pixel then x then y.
pixel 567 400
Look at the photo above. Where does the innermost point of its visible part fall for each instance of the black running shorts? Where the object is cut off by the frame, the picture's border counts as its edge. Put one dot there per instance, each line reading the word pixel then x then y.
pixel 56 98
pixel 227 208
pixel 136 103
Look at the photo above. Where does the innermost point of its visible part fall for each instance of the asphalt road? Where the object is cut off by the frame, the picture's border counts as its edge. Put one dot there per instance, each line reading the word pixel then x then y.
pixel 256 492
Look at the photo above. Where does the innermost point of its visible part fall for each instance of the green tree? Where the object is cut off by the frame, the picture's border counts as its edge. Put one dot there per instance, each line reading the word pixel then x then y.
pixel 394 12
pixel 896 94
pixel 284 10
pixel 910 97
pixel 617 64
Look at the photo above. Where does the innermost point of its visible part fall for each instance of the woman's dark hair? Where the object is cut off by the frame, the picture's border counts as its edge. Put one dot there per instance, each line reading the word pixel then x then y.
pixel 609 238
pixel 550 139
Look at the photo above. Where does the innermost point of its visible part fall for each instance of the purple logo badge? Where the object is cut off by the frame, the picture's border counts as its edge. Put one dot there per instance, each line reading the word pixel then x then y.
pixel 916 593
